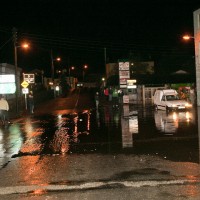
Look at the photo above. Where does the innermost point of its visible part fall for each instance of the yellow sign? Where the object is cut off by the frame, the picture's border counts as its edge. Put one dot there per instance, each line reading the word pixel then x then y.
pixel 24 84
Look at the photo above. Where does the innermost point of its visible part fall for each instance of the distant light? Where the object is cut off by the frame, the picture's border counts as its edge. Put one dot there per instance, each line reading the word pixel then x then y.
pixel 25 45
pixel 187 37
pixel 79 84
pixel 174 116
pixel 59 116
pixel 57 88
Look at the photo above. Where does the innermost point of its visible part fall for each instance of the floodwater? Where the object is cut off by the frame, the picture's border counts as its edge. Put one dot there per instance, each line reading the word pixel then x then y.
pixel 130 129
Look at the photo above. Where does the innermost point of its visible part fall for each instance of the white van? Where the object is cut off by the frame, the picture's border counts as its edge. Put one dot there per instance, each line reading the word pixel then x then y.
pixel 168 99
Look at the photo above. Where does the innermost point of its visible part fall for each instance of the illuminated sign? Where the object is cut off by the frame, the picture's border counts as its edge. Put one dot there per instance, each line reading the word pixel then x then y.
pixel 29 78
pixel 123 81
pixel 24 84
pixel 125 99
pixel 25 90
pixel 131 83
pixel 124 74
pixel 7 78
pixel 124 66
pixel 7 84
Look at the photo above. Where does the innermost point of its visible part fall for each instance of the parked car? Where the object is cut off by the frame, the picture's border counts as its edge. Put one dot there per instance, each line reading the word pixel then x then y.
pixel 168 99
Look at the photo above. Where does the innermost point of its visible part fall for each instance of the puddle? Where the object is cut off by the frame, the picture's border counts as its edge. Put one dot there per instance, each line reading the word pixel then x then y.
pixel 128 129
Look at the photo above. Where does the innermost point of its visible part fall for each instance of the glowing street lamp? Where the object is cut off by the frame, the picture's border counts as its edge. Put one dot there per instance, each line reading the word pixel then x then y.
pixel 187 37
pixel 25 46
pixel 196 37
pixel 71 68
pixel 103 80
pixel 52 64
pixel 84 68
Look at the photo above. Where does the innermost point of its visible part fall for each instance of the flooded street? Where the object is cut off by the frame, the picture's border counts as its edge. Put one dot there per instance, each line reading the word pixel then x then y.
pixel 69 149
pixel 128 129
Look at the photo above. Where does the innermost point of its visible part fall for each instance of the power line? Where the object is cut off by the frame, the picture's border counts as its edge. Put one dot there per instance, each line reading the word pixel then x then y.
pixel 1 47
pixel 94 45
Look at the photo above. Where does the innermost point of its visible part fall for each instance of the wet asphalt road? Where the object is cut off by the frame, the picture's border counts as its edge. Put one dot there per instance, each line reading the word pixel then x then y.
pixel 70 149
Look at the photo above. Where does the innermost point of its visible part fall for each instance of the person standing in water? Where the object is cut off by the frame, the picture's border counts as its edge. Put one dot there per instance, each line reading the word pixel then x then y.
pixel 31 102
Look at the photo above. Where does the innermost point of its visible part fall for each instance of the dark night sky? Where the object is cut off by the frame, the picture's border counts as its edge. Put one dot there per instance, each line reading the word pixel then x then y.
pixel 79 30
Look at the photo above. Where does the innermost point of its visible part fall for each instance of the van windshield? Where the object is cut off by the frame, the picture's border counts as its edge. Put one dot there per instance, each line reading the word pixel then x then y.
pixel 172 97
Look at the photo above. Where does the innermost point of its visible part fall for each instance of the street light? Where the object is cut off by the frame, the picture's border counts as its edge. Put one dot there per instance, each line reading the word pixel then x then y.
pixel 71 68
pixel 103 80
pixel 84 68
pixel 25 46
pixel 52 64
pixel 187 37
pixel 197 62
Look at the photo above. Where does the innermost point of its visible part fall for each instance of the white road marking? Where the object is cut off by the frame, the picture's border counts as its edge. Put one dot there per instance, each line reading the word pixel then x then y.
pixel 91 185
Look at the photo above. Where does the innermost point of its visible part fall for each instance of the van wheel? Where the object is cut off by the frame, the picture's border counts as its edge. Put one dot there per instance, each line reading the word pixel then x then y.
pixel 156 107
pixel 167 109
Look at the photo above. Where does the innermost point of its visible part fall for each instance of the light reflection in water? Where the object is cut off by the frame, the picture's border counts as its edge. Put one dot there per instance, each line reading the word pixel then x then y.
pixel 170 122
pixel 2 149
pixel 28 127
pixel 129 126
pixel 65 135
pixel 88 121
pixel 75 131
pixel 98 118
pixel 11 141
pixel 15 137
pixel 39 192
pixel 60 142
pixel 192 190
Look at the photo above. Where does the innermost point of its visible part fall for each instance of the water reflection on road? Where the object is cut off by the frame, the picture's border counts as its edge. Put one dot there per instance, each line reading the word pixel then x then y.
pixel 169 123
pixel 171 135
pixel 127 129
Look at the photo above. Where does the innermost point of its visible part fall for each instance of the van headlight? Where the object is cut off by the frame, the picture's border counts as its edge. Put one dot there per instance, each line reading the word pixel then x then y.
pixel 188 105
pixel 173 105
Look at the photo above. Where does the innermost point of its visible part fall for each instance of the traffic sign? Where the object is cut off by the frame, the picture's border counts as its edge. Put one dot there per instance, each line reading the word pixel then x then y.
pixel 25 90
pixel 24 84
pixel 29 78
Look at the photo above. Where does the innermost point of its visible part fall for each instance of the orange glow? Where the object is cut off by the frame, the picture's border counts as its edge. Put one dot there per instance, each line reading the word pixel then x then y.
pixel 58 59
pixel 187 37
pixel 39 192
pixel 25 45
pixel 85 66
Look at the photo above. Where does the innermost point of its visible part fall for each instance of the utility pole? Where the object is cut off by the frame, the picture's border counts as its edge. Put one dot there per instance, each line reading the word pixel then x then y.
pixel 16 67
pixel 105 59
pixel 52 66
